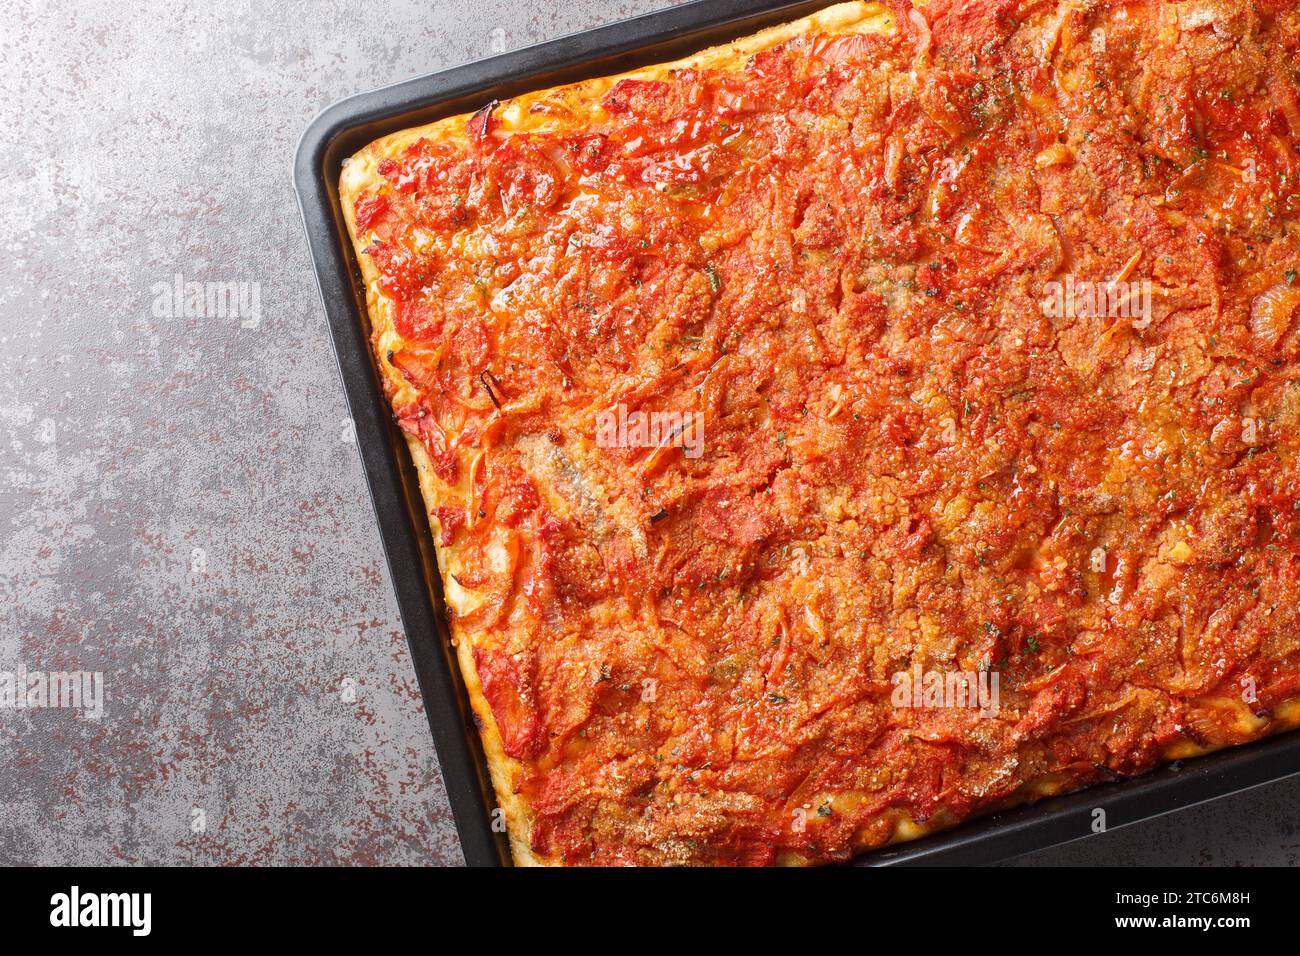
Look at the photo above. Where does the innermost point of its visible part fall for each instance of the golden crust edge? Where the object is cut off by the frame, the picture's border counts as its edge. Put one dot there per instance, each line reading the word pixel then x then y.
pixel 501 767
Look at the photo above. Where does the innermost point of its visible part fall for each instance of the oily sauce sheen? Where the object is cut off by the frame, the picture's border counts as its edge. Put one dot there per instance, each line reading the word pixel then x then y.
pixel 838 252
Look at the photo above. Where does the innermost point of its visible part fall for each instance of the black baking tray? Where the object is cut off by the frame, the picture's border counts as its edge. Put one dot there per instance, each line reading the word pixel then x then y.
pixel 345 127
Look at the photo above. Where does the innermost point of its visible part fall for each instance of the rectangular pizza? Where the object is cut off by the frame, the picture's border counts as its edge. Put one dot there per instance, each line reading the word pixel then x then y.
pixel 878 421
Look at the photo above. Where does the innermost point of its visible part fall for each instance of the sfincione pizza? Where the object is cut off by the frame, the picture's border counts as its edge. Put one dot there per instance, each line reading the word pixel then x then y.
pixel 881 420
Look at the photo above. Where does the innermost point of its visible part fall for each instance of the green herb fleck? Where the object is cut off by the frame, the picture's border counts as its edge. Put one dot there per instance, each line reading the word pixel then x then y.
pixel 715 282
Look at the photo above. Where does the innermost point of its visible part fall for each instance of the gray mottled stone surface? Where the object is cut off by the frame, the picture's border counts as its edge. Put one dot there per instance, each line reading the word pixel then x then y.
pixel 180 508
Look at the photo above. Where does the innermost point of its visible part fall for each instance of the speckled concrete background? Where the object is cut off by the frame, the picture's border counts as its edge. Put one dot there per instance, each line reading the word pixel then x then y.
pixel 180 504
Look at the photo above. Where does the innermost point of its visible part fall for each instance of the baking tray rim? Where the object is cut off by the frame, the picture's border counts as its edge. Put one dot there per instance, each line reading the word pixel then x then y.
pixel 347 125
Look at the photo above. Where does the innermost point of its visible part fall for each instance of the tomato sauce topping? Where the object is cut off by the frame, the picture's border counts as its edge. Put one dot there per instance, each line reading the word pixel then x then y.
pixel 993 322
